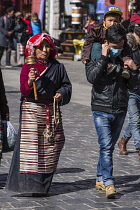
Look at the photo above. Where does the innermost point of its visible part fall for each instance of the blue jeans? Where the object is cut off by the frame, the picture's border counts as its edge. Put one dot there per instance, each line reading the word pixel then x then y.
pixel 108 128
pixel 133 125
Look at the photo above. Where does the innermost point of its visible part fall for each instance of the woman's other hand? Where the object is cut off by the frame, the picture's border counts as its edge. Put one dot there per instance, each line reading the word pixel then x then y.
pixel 58 97
pixel 31 78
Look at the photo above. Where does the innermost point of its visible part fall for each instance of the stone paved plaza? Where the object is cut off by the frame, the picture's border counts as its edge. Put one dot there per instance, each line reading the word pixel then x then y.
pixel 74 180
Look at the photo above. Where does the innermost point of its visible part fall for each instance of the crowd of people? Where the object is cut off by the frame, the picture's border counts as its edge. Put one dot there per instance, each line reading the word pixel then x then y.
pixel 112 62
pixel 15 30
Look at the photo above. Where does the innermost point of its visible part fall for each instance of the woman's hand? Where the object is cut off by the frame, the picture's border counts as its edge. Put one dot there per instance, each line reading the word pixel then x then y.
pixel 58 97
pixel 129 64
pixel 31 78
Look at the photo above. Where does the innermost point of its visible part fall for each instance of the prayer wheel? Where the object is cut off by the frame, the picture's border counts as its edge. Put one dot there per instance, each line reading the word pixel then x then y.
pixel 76 1
pixel 30 60
pixel 76 10
pixel 76 13
pixel 76 19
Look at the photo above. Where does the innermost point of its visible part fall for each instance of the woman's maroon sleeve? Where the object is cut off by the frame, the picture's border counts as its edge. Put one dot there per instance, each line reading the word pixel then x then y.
pixel 24 88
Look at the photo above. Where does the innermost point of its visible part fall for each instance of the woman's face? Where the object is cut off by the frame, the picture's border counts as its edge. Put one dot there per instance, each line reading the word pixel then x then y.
pixel 43 51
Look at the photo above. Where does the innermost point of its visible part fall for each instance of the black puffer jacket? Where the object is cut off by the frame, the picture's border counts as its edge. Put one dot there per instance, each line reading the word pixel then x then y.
pixel 6 24
pixel 20 32
pixel 109 92
pixel 136 58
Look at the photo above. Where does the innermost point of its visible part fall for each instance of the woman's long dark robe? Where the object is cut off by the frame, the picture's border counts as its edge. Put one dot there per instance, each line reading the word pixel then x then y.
pixel 53 80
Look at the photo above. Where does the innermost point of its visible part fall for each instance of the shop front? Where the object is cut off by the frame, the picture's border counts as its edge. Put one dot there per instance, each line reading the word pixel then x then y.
pixel 72 33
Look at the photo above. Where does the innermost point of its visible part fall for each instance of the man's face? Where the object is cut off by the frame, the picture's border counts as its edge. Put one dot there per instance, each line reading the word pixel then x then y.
pixel 111 20
pixel 11 14
pixel 116 46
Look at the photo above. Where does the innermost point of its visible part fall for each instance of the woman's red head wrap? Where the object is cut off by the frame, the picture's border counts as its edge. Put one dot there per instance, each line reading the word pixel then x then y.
pixel 36 40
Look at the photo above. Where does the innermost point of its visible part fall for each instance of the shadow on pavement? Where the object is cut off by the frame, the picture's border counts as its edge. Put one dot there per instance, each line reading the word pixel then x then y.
pixel 121 181
pixel 69 170
pixel 12 91
pixel 58 188
pixel 3 178
pixel 128 186
pixel 11 68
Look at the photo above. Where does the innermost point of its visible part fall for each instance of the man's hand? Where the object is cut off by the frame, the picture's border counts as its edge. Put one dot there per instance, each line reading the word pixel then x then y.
pixel 58 97
pixel 85 61
pixel 9 33
pixel 105 49
pixel 129 64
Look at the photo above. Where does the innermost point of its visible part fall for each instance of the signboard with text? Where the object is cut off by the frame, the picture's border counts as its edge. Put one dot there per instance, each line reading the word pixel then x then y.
pixel 100 6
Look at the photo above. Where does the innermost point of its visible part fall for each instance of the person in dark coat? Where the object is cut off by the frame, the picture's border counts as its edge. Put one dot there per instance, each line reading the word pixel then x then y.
pixel 21 37
pixel 132 128
pixel 4 109
pixel 27 19
pixel 41 135
pixel 109 102
pixel 7 24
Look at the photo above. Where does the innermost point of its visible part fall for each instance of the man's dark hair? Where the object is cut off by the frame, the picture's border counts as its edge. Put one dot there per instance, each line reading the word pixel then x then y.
pixel 113 15
pixel 115 33
pixel 10 9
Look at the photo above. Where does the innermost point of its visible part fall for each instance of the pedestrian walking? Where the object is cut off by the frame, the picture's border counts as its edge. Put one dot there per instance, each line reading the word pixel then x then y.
pixel 41 135
pixel 7 24
pixel 21 38
pixel 89 23
pixel 36 24
pixel 4 109
pixel 132 128
pixel 109 103
pixel 27 19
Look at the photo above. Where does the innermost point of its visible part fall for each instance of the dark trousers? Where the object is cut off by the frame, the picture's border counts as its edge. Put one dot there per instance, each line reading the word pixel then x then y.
pixel 8 54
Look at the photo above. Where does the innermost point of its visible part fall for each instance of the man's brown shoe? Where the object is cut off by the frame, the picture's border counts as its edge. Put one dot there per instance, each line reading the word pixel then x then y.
pixel 100 185
pixel 110 191
pixel 122 146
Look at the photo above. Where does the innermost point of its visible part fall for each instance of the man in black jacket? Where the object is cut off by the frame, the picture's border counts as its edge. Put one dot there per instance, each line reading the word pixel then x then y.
pixel 109 102
pixel 7 24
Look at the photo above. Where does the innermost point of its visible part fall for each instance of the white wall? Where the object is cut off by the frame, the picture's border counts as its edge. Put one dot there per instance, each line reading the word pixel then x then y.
pixel 54 18
pixel 68 7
